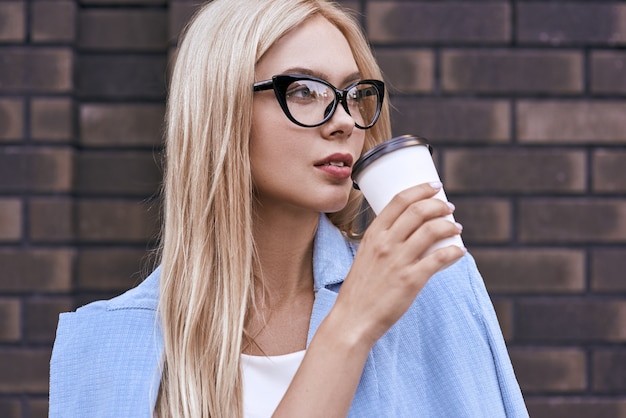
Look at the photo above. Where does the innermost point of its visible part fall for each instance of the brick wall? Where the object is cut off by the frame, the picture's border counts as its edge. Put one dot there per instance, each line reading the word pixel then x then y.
pixel 525 103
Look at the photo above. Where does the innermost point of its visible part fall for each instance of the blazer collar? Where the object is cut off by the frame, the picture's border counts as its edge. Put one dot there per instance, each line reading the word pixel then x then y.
pixel 332 254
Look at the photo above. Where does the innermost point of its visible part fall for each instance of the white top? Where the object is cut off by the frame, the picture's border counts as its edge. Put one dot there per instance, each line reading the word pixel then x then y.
pixel 265 381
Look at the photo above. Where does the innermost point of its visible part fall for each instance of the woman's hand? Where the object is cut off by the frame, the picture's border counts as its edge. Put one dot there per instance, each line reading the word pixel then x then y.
pixel 390 267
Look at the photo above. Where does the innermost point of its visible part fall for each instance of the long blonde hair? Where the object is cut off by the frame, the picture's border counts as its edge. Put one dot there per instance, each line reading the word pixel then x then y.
pixel 207 248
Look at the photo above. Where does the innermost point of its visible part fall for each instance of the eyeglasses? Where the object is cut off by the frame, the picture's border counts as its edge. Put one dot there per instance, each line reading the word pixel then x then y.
pixel 310 101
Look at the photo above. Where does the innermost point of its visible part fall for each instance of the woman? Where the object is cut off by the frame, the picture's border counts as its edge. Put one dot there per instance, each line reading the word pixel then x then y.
pixel 263 304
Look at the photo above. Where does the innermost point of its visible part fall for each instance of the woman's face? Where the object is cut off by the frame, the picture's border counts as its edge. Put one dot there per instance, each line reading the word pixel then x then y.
pixel 305 169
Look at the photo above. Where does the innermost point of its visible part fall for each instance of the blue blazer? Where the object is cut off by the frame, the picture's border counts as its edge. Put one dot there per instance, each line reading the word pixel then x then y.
pixel 444 358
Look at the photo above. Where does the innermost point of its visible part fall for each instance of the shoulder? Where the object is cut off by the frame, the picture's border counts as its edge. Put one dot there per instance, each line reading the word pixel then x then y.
pixel 106 345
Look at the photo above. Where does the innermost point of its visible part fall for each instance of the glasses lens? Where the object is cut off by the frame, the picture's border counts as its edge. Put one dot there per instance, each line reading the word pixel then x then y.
pixel 364 104
pixel 309 101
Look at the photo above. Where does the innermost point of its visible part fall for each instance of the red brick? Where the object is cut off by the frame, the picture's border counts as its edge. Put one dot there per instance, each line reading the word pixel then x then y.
pixel 10 321
pixel 510 71
pixel 571 121
pixel 24 370
pixel 407 70
pixel 10 219
pixel 608 75
pixel 539 271
pixel 40 70
pixel 36 270
pixel 118 173
pixel 51 219
pixel 111 269
pixel 550 369
pixel 484 220
pixel 609 171
pixel 53 21
pixel 122 221
pixel 607 270
pixel 41 318
pixel 572 221
pixel 121 125
pixel 11 119
pixel 576 407
pixel 570 320
pixel 569 22
pixel 508 170
pixel 123 29
pixel 609 370
pixel 35 170
pixel 52 119
pixel 10 408
pixel 452 120
pixel 13 21
pixel 121 76
pixel 125 2
pixel 415 22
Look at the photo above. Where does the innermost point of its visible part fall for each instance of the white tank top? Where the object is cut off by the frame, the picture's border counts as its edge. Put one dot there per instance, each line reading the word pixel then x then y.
pixel 265 381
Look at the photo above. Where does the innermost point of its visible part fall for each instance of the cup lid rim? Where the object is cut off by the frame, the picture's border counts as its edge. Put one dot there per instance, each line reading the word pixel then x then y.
pixel 386 147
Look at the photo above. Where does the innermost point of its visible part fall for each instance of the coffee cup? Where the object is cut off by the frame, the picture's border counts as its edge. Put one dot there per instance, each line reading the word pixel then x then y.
pixel 393 166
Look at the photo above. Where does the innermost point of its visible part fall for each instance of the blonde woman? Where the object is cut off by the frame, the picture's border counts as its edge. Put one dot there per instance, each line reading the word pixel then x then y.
pixel 264 303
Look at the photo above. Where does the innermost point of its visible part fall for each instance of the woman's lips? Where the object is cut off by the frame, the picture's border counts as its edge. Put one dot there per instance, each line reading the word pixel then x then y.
pixel 336 165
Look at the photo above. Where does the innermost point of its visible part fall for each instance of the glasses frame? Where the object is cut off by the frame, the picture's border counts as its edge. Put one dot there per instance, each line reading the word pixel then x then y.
pixel 280 83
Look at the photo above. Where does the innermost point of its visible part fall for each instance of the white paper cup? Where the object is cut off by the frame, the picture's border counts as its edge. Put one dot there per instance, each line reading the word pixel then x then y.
pixel 393 166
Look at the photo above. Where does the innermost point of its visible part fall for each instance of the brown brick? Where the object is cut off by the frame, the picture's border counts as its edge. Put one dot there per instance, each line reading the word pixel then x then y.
pixel 51 219
pixel 572 220
pixel 504 312
pixel 570 320
pixel 509 170
pixel 39 70
pixel 475 22
pixel 540 271
pixel 53 21
pixel 37 408
pixel 511 71
pixel 569 121
pixel 40 170
pixel 607 270
pixel 576 407
pixel 121 76
pixel 608 74
pixel 123 29
pixel 42 316
pixel 10 219
pixel 609 171
pixel 121 125
pixel 10 322
pixel 124 2
pixel 566 23
pixel 12 21
pixel 550 369
pixel 36 270
pixel 609 370
pixel 11 119
pixel 118 173
pixel 24 370
pixel 407 70
pixel 52 119
pixel 110 268
pixel 452 120
pixel 117 221
pixel 10 408
pixel 484 220
pixel 179 15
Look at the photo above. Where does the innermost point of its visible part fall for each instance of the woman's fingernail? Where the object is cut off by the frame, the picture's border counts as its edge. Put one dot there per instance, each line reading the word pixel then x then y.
pixel 451 205
pixel 459 226
pixel 436 185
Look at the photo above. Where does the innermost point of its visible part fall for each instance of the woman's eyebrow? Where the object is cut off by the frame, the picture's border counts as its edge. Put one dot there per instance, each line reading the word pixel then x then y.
pixel 356 76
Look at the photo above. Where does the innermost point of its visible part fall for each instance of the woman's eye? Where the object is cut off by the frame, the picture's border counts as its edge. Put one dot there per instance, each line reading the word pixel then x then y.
pixel 299 92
